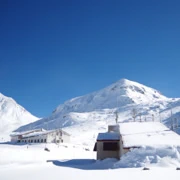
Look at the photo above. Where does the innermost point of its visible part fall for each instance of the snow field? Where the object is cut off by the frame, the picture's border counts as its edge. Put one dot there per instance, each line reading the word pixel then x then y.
pixel 70 161
pixel 27 154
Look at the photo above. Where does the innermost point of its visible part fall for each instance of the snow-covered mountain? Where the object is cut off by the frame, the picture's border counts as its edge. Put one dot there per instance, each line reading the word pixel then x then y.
pixel 12 115
pixel 86 115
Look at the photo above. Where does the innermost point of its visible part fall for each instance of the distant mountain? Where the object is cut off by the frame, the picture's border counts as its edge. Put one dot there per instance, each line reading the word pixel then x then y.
pixel 12 115
pixel 86 115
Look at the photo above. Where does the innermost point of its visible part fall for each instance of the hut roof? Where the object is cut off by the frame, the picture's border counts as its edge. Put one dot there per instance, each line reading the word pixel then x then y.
pixel 108 136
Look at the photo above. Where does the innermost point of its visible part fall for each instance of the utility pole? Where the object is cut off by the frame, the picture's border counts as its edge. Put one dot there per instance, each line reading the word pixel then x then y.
pixel 177 123
pixel 172 124
pixel 116 119
pixel 134 114
pixel 140 117
pixel 159 116
pixel 152 117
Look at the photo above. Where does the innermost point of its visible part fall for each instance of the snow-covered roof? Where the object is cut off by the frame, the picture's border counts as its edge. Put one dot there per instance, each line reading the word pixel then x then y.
pixel 137 134
pixel 33 134
pixel 108 136
pixel 37 132
pixel 27 132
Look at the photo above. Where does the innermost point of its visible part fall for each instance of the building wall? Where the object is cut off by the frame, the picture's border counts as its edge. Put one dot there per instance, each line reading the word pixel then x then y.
pixel 36 139
pixel 14 139
pixel 57 136
pixel 101 154
pixel 65 138
pixel 51 137
pixel 122 149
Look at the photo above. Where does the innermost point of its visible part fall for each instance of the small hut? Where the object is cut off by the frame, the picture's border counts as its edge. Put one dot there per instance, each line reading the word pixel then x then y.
pixel 108 143
pixel 121 138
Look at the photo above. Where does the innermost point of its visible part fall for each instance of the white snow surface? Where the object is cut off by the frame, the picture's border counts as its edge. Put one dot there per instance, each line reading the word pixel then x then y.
pixel 136 134
pixel 12 115
pixel 85 116
pixel 69 161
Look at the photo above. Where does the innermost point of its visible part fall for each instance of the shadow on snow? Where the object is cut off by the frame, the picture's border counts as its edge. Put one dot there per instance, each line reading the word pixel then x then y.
pixel 85 164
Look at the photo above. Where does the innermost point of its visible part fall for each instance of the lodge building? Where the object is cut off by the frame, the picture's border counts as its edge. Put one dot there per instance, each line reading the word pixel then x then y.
pixel 41 136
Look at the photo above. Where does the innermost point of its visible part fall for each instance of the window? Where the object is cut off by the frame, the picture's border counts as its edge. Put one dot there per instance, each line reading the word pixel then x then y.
pixel 31 141
pixel 38 140
pixel 110 146
pixel 35 140
pixel 42 140
pixel 45 140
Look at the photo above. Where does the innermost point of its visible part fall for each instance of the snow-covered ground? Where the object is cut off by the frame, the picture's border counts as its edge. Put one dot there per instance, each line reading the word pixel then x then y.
pixel 51 171
pixel 76 162
pixel 84 117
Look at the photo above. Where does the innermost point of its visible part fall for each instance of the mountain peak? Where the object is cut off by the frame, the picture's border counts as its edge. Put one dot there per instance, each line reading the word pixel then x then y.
pixel 12 115
pixel 86 115
pixel 122 93
pixel 135 86
pixel 124 81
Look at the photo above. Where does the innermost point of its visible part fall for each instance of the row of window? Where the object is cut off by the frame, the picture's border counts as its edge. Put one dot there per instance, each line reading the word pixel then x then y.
pixel 32 141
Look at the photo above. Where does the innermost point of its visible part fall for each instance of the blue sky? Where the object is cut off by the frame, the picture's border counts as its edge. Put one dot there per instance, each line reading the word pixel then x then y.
pixel 51 51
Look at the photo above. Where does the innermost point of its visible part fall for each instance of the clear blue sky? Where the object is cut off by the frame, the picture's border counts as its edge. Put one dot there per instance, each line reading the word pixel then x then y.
pixel 51 51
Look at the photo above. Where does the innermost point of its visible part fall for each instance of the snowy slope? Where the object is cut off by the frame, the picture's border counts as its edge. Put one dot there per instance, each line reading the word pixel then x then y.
pixel 12 115
pixel 85 116
pixel 121 93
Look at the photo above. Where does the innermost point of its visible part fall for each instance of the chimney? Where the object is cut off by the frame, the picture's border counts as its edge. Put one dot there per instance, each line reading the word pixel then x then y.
pixel 113 128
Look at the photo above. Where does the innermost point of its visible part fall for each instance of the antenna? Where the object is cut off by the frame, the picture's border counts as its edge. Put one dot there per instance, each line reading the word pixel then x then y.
pixel 159 116
pixel 172 124
pixel 176 124
pixel 140 117
pixel 152 117
pixel 116 119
